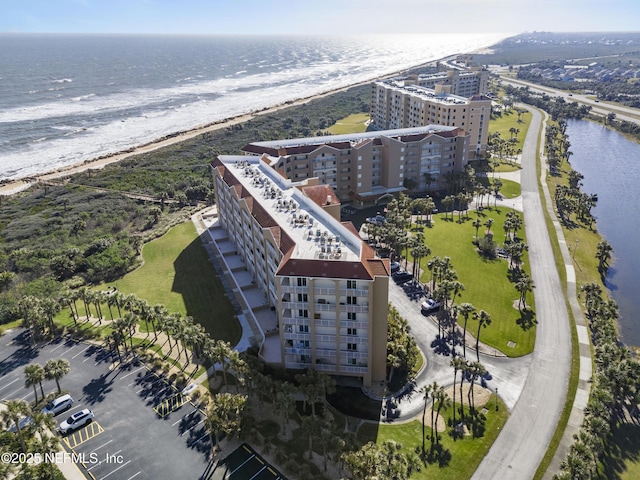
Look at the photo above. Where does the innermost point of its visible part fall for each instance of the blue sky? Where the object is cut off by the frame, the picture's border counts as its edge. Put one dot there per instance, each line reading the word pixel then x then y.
pixel 316 16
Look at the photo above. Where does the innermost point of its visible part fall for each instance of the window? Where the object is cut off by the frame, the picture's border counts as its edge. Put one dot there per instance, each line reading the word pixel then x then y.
pixel 352 346
pixel 351 331
pixel 302 282
pixel 303 343
pixel 303 297
pixel 352 301
pixel 303 313
pixel 352 361
pixel 351 284
pixel 303 328
pixel 351 316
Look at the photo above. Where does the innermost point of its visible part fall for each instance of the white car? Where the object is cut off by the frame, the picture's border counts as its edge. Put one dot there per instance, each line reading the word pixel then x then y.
pixel 378 220
pixel 430 305
pixel 75 421
pixel 58 405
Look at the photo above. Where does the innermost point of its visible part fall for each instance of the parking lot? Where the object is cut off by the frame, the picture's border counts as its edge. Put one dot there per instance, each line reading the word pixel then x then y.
pixel 143 428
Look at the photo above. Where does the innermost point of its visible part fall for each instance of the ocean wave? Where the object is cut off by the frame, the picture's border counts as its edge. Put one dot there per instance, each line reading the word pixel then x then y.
pixel 100 123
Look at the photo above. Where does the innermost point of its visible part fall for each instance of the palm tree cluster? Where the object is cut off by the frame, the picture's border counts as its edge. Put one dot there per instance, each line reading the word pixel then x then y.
pixel 38 314
pixel 615 390
pixel 380 461
pixel 35 438
pixel 504 148
pixel 402 351
pixel 569 199
pixel 35 374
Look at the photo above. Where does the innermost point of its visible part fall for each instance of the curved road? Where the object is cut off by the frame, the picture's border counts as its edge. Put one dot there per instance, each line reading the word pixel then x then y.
pixel 523 442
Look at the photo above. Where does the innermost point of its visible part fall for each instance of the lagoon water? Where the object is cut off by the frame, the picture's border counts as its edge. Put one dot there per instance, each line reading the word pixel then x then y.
pixel 70 98
pixel 611 167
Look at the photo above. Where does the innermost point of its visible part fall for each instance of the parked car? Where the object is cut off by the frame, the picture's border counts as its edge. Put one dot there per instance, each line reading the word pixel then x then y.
pixel 378 220
pixel 24 423
pixel 401 277
pixel 57 405
pixel 395 266
pixel 430 305
pixel 75 421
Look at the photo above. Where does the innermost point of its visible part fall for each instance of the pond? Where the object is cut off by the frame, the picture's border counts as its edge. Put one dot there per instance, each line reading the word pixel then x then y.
pixel 611 167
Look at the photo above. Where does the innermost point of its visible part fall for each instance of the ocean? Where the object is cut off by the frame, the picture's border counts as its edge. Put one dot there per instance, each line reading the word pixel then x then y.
pixel 66 99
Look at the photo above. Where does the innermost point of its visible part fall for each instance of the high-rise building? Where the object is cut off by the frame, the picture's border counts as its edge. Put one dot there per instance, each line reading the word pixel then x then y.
pixel 404 103
pixel 326 286
pixel 362 167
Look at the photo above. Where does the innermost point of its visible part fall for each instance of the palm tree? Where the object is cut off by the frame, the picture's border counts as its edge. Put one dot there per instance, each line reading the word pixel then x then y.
pixel 284 403
pixel 15 410
pixel 484 320
pixel 426 390
pixel 476 370
pixel 56 369
pixel 225 415
pixel 34 374
pixel 466 310
pixel 603 255
pixel 458 364
pixel 440 398
pixel 524 285
pixel 477 223
pixel 418 254
pixel 220 353
pixel 311 426
pixel 488 223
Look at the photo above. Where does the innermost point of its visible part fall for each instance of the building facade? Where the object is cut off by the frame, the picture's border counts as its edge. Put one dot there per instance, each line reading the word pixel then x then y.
pixel 404 103
pixel 327 288
pixel 365 166
pixel 464 83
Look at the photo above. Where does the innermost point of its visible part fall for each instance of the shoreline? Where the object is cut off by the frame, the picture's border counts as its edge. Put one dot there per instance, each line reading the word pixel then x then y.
pixel 11 187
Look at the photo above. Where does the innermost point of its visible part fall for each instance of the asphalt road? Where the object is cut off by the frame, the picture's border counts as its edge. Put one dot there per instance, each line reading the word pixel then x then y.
pixel 521 445
pixel 127 439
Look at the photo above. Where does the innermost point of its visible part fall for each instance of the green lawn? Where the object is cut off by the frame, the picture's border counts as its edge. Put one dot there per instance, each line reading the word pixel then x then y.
pixel 355 123
pixel 487 286
pixel 465 454
pixel 510 189
pixel 509 120
pixel 177 273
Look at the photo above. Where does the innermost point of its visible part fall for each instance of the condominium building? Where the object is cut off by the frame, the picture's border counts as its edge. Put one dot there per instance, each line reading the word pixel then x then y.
pixel 404 103
pixel 363 167
pixel 326 286
pixel 464 83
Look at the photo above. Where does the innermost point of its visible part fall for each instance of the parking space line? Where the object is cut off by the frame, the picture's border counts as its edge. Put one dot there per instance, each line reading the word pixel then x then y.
pixel 186 431
pixel 17 379
pixel 150 385
pixel 62 344
pixel 80 353
pixel 100 463
pixel 114 471
pixel 85 434
pixel 103 445
pixel 131 373
pixel 170 405
pixel 10 395
pixel 134 476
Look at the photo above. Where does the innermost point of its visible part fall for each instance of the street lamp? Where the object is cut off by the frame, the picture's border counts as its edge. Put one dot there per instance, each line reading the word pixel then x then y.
pixel 575 248
pixel 496 399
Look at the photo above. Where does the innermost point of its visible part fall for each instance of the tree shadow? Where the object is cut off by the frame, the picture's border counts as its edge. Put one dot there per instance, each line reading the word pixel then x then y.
pixel 527 319
pixel 97 389
pixel 622 448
